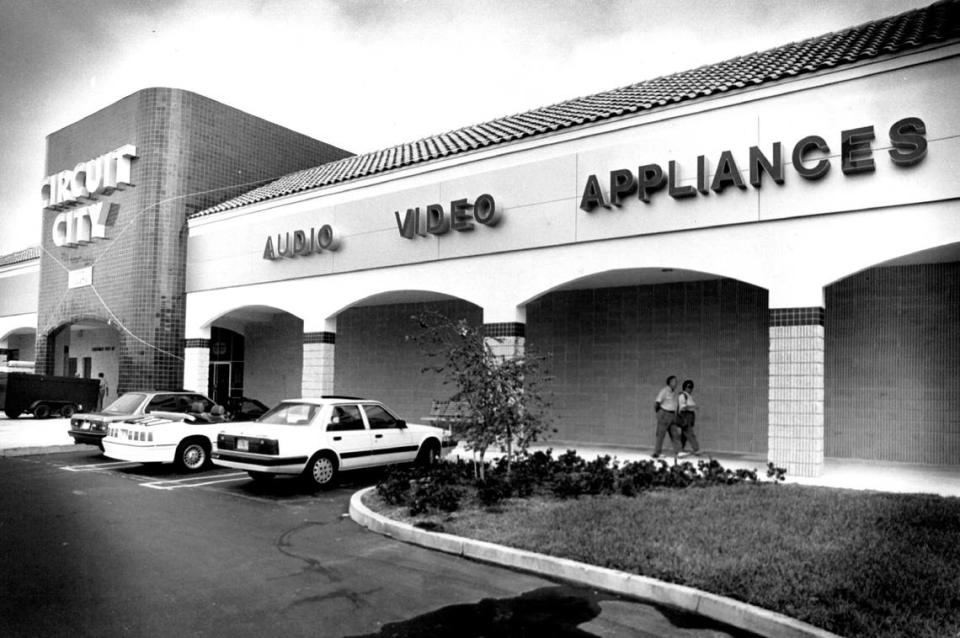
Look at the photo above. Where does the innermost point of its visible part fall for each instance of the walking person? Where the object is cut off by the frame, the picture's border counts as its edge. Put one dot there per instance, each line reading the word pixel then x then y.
pixel 666 411
pixel 687 412
pixel 102 392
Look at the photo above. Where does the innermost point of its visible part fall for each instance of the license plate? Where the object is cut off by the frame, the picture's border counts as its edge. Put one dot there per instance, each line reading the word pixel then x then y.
pixel 85 426
pixel 243 445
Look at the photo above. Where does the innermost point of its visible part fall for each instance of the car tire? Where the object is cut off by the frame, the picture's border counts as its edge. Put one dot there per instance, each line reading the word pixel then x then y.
pixel 321 471
pixel 193 455
pixel 429 454
pixel 11 413
pixel 67 411
pixel 42 411
pixel 261 477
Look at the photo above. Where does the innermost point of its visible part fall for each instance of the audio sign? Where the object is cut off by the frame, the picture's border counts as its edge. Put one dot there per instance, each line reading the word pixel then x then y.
pixel 810 155
pixel 320 239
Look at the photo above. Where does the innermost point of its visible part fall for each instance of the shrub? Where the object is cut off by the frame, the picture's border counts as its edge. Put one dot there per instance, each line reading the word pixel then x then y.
pixel 428 494
pixel 493 489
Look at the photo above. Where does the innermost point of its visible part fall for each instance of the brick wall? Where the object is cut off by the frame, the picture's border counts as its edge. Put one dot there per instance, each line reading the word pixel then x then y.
pixel 273 365
pixel 374 358
pixel 193 152
pixel 892 342
pixel 611 350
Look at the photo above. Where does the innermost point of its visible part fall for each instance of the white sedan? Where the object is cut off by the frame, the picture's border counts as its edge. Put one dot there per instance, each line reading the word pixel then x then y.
pixel 317 438
pixel 164 437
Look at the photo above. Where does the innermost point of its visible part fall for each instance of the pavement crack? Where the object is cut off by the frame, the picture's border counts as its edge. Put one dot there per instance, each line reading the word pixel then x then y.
pixel 356 599
pixel 285 546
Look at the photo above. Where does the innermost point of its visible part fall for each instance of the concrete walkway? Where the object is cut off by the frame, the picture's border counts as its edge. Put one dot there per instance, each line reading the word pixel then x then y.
pixel 27 435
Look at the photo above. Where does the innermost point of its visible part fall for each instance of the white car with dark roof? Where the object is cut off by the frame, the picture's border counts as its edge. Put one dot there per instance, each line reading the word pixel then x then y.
pixel 319 438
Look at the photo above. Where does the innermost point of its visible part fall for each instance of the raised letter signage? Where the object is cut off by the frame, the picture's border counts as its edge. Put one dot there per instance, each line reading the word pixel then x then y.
pixel 299 244
pixel 810 158
pixel 435 221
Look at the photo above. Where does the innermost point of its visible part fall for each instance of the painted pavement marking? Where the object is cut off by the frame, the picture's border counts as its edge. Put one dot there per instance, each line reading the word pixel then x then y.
pixel 93 467
pixel 196 481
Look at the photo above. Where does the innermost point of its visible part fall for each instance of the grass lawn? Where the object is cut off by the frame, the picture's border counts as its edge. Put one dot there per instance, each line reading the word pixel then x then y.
pixel 857 564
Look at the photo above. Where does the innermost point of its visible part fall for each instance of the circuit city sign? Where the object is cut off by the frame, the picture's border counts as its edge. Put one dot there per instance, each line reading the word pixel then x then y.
pixel 810 156
pixel 75 192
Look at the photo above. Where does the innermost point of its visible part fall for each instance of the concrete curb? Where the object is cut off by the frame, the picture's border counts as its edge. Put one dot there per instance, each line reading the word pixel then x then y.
pixel 38 449
pixel 734 613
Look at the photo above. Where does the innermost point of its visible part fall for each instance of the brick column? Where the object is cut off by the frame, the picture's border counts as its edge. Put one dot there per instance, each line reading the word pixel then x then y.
pixel 318 351
pixel 795 435
pixel 506 340
pixel 196 365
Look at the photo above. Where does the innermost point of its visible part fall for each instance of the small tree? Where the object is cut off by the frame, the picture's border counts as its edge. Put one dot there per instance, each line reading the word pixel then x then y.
pixel 503 395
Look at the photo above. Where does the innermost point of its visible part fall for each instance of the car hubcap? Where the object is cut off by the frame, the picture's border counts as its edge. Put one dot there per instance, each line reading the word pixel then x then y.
pixel 193 456
pixel 322 470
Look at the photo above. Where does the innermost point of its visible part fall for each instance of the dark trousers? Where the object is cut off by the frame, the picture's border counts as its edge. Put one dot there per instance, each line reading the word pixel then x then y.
pixel 687 434
pixel 667 422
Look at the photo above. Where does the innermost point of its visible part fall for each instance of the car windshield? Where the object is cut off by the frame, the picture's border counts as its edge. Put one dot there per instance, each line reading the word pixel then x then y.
pixel 291 414
pixel 127 404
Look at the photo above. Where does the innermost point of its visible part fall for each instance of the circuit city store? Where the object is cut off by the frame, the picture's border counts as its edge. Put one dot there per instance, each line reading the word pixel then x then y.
pixel 792 244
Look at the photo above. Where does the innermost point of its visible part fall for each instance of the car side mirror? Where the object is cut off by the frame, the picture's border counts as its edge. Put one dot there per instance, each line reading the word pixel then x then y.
pixel 335 420
pixel 401 424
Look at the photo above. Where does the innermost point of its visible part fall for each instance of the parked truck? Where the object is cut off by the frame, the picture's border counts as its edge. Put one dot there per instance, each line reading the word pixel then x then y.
pixel 44 395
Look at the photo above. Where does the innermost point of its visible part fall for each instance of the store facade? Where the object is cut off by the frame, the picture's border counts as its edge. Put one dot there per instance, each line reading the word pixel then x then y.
pixel 743 237
pixel 119 186
pixel 782 228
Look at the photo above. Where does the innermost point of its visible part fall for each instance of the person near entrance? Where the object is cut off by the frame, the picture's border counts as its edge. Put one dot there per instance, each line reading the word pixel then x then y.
pixel 687 413
pixel 666 410
pixel 103 392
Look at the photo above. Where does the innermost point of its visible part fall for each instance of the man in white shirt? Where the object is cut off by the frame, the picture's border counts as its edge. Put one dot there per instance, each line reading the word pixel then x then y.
pixel 666 410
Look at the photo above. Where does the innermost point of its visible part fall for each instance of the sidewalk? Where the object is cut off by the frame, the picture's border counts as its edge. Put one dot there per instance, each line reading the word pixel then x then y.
pixel 26 435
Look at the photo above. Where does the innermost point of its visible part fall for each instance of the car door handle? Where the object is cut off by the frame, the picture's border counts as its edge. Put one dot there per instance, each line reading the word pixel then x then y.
pixel 378 436
pixel 338 438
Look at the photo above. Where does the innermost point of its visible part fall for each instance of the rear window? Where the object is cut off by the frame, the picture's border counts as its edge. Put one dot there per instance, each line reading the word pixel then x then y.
pixel 291 414
pixel 127 404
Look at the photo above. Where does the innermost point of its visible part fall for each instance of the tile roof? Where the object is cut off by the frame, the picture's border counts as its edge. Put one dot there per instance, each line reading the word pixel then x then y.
pixel 20 256
pixel 934 24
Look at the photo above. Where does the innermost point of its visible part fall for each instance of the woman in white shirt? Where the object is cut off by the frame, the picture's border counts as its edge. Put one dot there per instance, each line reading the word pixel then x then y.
pixel 688 416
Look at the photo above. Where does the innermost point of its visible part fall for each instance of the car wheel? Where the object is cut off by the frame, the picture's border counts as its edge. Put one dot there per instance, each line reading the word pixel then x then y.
pixel 321 471
pixel 11 414
pixel 42 411
pixel 429 454
pixel 193 455
pixel 67 411
pixel 261 477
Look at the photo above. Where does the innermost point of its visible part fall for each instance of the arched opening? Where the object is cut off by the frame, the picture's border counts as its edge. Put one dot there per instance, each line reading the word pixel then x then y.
pixel 18 349
pixel 612 338
pixel 892 360
pixel 255 352
pixel 86 348
pixel 374 357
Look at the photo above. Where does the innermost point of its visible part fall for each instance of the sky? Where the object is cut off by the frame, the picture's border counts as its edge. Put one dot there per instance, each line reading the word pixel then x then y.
pixel 361 75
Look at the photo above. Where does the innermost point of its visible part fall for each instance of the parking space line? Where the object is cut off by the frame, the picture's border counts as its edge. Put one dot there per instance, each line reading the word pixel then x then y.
pixel 99 466
pixel 196 481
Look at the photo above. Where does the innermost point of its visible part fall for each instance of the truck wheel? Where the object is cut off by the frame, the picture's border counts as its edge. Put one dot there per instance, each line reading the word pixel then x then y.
pixel 11 413
pixel 67 411
pixel 42 411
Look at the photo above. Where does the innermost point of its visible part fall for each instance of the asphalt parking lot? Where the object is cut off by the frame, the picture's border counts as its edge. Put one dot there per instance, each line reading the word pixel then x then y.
pixel 95 547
